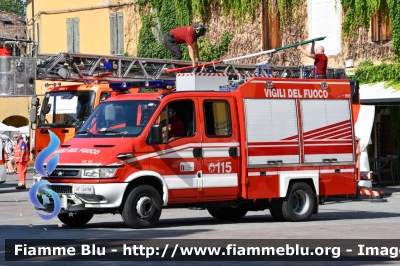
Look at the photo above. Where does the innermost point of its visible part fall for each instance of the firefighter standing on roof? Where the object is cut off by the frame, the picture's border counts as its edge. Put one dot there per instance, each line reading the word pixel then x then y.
pixel 188 35
pixel 320 59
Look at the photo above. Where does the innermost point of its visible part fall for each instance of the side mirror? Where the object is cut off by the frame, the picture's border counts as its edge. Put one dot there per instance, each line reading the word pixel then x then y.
pixel 155 135
pixel 35 101
pixel 78 124
pixel 33 114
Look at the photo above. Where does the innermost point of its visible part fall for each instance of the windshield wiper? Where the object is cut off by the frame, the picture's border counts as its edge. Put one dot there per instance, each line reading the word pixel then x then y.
pixel 86 132
pixel 108 131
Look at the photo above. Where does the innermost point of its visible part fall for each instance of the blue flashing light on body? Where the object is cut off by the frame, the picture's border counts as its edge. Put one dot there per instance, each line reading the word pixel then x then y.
pixel 108 66
pixel 121 86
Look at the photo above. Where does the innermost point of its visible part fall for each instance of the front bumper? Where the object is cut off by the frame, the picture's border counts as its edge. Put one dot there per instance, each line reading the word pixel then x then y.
pixel 97 196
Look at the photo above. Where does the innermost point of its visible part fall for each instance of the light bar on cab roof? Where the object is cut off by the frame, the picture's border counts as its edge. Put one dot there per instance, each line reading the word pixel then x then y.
pixel 162 84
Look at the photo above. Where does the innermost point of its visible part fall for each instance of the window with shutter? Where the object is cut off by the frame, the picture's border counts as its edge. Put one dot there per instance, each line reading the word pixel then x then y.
pixel 380 28
pixel 117 33
pixel 120 33
pixel 73 35
pixel 271 32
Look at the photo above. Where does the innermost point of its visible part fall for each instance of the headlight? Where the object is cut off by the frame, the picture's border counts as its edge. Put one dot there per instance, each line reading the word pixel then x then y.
pixel 107 172
pixel 99 172
pixel 91 173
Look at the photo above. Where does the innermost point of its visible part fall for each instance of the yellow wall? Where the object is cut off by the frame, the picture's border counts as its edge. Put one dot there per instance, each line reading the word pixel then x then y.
pixel 94 26
pixel 13 109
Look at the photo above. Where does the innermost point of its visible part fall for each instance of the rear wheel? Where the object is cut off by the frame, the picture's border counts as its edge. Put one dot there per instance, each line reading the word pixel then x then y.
pixel 75 218
pixel 214 213
pixel 229 212
pixel 275 209
pixel 299 204
pixel 142 207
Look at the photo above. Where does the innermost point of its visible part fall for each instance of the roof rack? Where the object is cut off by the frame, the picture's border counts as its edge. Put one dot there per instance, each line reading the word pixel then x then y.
pixel 111 68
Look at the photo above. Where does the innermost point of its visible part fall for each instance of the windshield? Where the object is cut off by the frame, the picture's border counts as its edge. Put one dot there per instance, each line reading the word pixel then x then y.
pixel 62 109
pixel 118 119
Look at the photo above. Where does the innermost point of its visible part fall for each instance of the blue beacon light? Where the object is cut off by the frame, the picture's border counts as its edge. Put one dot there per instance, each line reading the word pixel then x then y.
pixel 120 86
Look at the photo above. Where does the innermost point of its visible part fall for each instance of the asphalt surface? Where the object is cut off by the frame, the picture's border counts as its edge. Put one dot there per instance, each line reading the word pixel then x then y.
pixel 339 219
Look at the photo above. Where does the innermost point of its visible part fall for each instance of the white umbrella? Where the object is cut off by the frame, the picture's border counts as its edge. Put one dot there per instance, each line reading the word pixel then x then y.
pixel 24 130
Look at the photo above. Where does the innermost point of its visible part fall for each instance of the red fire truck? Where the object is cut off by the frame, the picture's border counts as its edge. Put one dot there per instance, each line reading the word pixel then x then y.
pixel 263 143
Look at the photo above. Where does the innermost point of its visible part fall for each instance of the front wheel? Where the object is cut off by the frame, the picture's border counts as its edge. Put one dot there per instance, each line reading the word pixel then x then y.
pixel 142 207
pixel 75 218
pixel 299 204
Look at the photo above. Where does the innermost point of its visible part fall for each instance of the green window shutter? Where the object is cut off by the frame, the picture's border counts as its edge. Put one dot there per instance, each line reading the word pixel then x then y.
pixel 113 33
pixel 77 45
pixel 120 30
pixel 70 36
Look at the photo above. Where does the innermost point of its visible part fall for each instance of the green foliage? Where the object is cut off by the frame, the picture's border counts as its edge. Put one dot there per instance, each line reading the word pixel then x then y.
pixel 209 52
pixel 366 63
pixel 240 9
pixel 358 13
pixel 13 6
pixel 149 47
pixel 166 15
pixel 368 73
pixel 288 13
pixel 395 25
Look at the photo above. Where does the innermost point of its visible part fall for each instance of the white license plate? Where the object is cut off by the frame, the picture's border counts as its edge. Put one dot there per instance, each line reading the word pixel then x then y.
pixel 83 189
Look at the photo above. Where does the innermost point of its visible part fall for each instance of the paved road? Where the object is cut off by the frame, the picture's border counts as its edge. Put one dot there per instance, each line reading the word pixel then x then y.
pixel 344 219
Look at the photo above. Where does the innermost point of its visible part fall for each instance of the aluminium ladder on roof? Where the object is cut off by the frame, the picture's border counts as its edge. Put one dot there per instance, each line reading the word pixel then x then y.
pixel 90 67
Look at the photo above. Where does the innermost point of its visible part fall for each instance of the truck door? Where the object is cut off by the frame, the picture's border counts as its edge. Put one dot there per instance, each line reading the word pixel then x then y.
pixel 178 159
pixel 220 149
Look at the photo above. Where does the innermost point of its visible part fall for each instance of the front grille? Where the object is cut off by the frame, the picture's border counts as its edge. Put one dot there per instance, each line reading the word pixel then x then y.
pixel 61 189
pixel 65 173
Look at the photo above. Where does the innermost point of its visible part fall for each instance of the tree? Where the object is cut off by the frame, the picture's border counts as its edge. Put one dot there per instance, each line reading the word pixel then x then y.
pixel 13 6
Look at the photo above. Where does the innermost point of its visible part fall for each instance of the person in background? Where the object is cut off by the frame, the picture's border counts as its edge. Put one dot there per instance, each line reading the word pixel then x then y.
pixel 320 59
pixel 21 157
pixel 8 155
pixel 188 35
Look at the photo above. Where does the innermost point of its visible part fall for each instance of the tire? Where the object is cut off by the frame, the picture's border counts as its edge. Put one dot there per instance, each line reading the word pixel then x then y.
pixel 229 212
pixel 214 213
pixel 276 210
pixel 142 208
pixel 77 219
pixel 299 204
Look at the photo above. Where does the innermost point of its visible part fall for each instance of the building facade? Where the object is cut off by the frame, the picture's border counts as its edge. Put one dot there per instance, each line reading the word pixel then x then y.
pixel 90 26
pixel 13 110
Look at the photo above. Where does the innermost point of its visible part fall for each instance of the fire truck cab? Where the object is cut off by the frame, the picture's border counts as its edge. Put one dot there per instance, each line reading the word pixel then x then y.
pixel 268 143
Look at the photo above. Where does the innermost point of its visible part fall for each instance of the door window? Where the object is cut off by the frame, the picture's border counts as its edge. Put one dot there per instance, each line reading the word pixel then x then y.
pixel 217 119
pixel 179 116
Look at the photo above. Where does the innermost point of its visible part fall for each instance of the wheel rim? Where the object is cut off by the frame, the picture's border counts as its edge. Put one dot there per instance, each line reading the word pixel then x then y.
pixel 300 202
pixel 144 207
